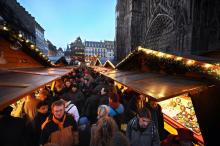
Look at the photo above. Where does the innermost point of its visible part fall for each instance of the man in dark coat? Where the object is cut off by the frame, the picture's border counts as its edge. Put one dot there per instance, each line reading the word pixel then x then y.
pixel 42 114
pixel 61 129
pixel 157 116
pixel 77 97
pixel 141 131
pixel 90 108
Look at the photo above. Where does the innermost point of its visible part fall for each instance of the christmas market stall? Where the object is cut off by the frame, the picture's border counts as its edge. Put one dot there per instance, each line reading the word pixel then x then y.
pixel 176 83
pixel 23 67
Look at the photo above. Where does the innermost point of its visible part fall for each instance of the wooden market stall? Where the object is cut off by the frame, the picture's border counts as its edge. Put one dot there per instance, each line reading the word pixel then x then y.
pixel 98 62
pixel 175 82
pixel 23 67
pixel 17 83
pixel 109 64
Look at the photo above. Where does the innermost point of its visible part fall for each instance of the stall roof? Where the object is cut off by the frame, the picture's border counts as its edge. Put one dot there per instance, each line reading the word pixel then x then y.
pixel 156 85
pixel 98 62
pixel 109 64
pixel 16 83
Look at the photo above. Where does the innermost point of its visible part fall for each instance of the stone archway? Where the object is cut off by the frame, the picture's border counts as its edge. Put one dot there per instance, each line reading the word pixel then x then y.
pixel 160 34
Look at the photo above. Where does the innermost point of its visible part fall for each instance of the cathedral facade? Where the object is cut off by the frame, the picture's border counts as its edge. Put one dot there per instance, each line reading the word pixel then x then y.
pixel 174 26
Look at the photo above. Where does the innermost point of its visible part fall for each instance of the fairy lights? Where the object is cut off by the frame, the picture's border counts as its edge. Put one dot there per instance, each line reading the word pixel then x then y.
pixel 178 61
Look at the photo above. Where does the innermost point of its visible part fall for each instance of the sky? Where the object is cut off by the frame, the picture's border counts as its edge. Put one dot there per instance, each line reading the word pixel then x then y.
pixel 65 20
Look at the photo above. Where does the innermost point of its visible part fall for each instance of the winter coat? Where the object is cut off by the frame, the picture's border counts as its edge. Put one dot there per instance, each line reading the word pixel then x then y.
pixel 91 107
pixel 72 110
pixel 60 133
pixel 157 117
pixel 139 137
pixel 78 99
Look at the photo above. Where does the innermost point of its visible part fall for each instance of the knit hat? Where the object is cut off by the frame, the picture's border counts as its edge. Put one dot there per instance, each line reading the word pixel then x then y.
pixel 83 121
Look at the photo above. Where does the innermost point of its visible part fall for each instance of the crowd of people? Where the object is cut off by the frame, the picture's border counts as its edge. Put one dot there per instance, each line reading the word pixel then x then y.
pixel 84 108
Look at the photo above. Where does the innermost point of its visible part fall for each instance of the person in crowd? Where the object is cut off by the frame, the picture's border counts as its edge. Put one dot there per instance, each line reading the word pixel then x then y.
pixel 30 107
pixel 116 109
pixel 104 98
pixel 67 86
pixel 77 97
pixel 29 114
pixel 58 88
pixel 127 96
pixel 42 94
pixel 86 87
pixel 136 102
pixel 61 124
pixel 42 114
pixel 91 106
pixel 103 111
pixel 157 116
pixel 141 130
pixel 84 129
pixel 119 91
pixel 70 108
pixel 13 129
pixel 88 76
pixel 106 129
pixel 119 139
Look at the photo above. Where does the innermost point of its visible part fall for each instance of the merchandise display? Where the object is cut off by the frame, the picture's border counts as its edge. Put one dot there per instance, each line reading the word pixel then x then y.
pixel 181 110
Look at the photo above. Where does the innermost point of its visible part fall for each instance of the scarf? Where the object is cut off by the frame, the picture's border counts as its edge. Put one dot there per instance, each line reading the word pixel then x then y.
pixel 59 123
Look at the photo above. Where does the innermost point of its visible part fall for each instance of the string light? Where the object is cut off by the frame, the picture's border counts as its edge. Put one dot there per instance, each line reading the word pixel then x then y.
pixel 207 66
pixel 213 70
pixel 179 58
pixel 20 35
pixel 32 46
pixel 5 28
pixel 168 56
pixel 160 54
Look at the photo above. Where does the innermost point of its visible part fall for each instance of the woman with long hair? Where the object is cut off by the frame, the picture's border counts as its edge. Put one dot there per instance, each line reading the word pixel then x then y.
pixel 106 129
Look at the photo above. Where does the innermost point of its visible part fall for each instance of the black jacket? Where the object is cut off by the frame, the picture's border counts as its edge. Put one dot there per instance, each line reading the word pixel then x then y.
pixel 138 137
pixel 91 107
pixel 157 117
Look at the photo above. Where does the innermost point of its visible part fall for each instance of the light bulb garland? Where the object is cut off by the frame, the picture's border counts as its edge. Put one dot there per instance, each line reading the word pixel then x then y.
pixel 20 37
pixel 174 64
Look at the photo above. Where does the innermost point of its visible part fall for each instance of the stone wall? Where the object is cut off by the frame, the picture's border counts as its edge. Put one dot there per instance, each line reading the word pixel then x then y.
pixel 175 26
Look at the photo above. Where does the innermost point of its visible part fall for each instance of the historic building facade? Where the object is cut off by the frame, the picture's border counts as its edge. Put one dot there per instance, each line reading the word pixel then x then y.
pixel 175 26
pixel 102 49
pixel 76 50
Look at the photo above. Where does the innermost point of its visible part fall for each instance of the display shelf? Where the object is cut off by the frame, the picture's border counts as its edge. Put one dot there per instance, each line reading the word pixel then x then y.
pixel 169 121
pixel 179 113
